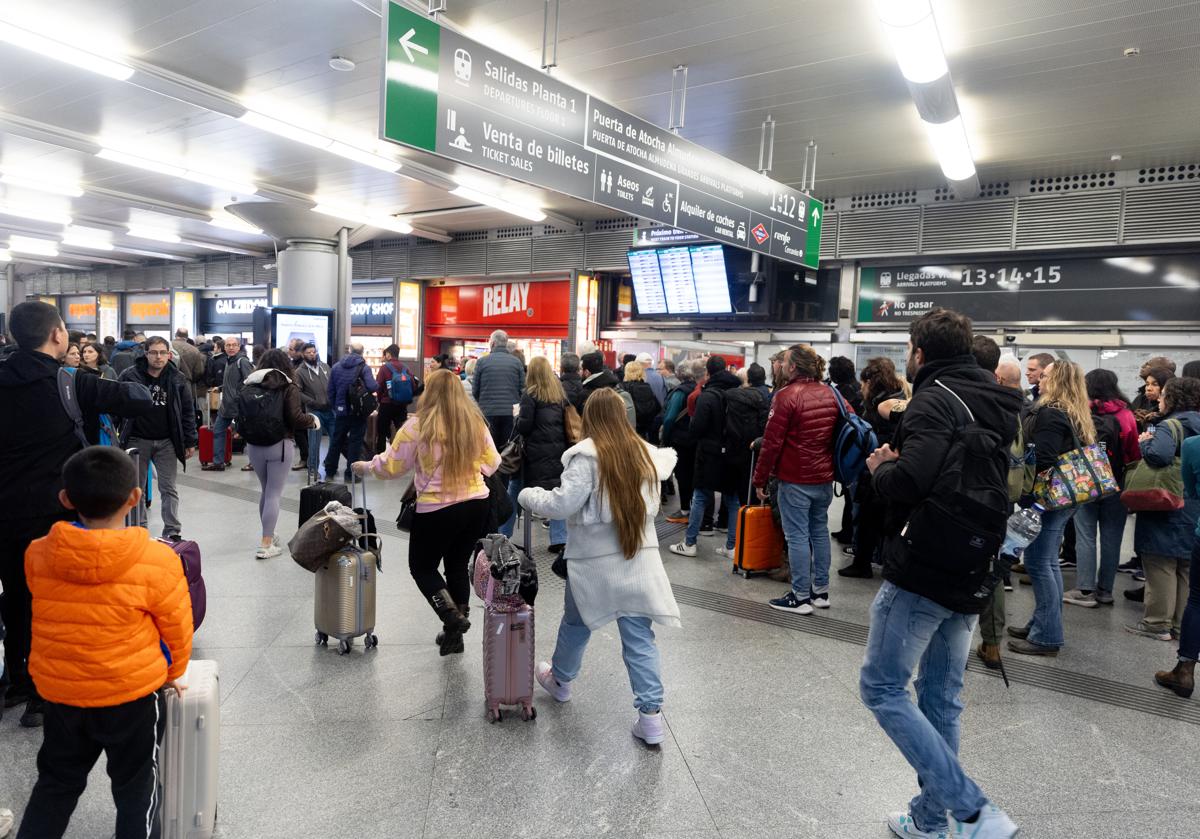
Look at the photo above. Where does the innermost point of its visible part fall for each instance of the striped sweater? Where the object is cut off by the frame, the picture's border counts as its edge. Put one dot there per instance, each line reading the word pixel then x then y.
pixel 408 453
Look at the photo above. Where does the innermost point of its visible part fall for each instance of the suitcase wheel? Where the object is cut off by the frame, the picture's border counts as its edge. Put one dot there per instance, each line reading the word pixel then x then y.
pixel 322 639
pixel 370 641
pixel 343 647
pixel 493 715
pixel 528 712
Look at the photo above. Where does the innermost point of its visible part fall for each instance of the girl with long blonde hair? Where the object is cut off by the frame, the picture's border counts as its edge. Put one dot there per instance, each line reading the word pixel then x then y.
pixel 542 426
pixel 609 494
pixel 1058 422
pixel 449 450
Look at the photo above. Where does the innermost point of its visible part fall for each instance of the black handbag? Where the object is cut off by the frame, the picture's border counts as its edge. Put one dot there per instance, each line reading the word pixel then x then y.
pixel 408 509
pixel 512 456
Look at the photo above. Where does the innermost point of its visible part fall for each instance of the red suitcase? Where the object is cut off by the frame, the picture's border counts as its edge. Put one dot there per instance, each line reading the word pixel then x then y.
pixel 206 445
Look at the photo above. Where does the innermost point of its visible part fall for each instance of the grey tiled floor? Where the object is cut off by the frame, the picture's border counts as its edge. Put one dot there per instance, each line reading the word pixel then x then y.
pixel 767 736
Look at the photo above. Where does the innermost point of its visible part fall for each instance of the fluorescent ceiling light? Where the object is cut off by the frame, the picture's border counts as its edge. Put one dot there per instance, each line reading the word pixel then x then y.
pixel 66 53
pixel 902 12
pixel 230 184
pixel 88 237
pixel 286 129
pixel 917 44
pixel 362 156
pixel 381 220
pixel 45 214
pixel 141 162
pixel 229 221
pixel 25 244
pixel 1132 263
pixel 531 213
pixel 1178 278
pixel 5 256
pixel 949 141
pixel 38 185
pixel 154 234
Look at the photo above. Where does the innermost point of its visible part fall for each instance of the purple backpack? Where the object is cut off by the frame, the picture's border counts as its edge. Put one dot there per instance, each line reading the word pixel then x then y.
pixel 189 555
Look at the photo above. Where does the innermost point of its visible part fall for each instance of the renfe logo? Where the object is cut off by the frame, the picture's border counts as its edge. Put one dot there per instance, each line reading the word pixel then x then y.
pixel 505 299
pixel 760 234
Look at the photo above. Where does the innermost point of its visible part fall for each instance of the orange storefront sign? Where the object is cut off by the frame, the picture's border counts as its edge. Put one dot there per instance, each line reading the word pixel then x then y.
pixel 81 311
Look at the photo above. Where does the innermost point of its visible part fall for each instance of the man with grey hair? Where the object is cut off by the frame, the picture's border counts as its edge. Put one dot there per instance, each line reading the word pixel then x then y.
pixel 497 384
pixel 350 384
pixel 1008 372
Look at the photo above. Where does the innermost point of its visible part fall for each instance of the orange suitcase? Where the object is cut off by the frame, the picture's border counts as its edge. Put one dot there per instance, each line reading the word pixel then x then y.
pixel 759 546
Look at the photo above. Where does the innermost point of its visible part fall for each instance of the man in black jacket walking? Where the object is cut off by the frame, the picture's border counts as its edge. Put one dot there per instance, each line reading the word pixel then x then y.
pixel 167 434
pixel 944 477
pixel 39 435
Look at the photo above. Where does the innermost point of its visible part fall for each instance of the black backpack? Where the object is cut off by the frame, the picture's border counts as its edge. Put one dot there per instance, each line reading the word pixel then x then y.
pixel 260 418
pixel 1108 433
pixel 360 402
pixel 745 420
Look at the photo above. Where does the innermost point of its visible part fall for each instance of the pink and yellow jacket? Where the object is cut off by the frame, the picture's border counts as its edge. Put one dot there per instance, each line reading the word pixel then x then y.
pixel 408 453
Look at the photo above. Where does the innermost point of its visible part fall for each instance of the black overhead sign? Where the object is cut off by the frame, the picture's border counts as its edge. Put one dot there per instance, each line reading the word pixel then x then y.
pixel 1141 289
pixel 454 97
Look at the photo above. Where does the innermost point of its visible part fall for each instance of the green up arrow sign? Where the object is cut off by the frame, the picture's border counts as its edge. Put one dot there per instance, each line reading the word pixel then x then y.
pixel 411 87
pixel 812 244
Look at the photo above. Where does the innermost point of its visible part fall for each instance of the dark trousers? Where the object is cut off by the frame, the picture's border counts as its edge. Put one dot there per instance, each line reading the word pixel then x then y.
pixel 301 438
pixel 446 537
pixel 1189 633
pixel 347 437
pixel 685 474
pixel 72 740
pixel 16 605
pixel 869 531
pixel 501 428
pixel 390 420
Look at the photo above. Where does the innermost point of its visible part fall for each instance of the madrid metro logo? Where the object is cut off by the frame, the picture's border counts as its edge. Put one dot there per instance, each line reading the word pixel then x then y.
pixel 760 233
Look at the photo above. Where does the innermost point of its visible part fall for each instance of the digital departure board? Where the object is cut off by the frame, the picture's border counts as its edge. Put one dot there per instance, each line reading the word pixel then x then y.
pixel 647 282
pixel 680 288
pixel 711 279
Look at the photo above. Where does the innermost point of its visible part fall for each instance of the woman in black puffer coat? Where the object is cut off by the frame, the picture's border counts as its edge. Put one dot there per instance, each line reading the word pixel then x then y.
pixel 542 425
pixel 645 403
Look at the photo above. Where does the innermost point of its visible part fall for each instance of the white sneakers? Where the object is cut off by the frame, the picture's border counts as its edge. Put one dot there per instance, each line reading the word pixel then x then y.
pixel 993 823
pixel 725 552
pixel 683 549
pixel 545 675
pixel 268 551
pixel 6 822
pixel 649 728
pixel 821 601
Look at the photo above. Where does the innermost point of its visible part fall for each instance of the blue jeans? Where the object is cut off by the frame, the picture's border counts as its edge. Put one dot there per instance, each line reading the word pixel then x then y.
pixel 907 630
pixel 804 509
pixel 703 499
pixel 1189 633
pixel 220 426
pixel 558 527
pixel 637 648
pixel 1041 564
pixel 348 433
pixel 314 440
pixel 1110 514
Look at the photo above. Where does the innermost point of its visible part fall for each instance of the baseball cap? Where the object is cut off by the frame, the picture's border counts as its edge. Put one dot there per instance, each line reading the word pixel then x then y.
pixel 644 358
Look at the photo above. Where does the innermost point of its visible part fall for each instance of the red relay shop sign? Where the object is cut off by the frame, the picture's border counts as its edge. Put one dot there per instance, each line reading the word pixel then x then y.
pixel 525 308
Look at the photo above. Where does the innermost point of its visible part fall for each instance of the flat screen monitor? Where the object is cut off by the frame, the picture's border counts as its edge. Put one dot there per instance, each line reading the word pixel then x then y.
pixel 313 326
pixel 678 283
pixel 711 279
pixel 647 282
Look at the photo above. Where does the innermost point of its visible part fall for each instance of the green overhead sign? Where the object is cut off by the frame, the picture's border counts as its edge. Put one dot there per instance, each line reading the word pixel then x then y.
pixel 463 101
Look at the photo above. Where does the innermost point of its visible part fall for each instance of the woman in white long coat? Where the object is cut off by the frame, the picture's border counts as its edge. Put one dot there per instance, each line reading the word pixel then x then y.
pixel 609 495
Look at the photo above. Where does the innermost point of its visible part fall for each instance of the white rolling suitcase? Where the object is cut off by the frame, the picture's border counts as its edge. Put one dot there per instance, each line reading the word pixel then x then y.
pixel 188 760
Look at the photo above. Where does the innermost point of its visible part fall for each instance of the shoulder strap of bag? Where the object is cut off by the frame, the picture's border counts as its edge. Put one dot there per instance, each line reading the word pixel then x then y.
pixel 970 416
pixel 67 395
pixel 1176 428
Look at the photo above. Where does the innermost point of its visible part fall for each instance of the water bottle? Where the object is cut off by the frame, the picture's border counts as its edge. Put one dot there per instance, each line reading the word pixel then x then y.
pixel 1023 527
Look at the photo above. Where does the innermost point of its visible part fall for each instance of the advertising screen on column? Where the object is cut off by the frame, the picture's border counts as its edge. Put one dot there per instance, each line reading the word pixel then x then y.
pixel 313 326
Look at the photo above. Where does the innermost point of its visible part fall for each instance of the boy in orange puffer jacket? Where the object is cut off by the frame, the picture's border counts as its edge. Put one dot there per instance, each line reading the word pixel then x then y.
pixel 112 624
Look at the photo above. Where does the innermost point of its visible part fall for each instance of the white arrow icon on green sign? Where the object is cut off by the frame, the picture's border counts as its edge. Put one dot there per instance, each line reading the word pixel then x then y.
pixel 409 45
pixel 816 216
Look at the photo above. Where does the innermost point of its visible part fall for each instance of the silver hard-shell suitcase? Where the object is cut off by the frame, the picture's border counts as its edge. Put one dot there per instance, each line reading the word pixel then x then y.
pixel 344 600
pixel 188 759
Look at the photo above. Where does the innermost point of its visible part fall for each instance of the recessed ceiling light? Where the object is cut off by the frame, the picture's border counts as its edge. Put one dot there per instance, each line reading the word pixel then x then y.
pixel 342 65
pixel 1130 52
pixel 1114 158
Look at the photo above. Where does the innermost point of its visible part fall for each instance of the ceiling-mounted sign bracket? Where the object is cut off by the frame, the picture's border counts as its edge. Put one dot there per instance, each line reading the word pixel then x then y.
pixel 549 47
pixel 766 146
pixel 436 7
pixel 678 94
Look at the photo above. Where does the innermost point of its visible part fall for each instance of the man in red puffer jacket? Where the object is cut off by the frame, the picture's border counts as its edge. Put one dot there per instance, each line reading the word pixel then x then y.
pixel 797 449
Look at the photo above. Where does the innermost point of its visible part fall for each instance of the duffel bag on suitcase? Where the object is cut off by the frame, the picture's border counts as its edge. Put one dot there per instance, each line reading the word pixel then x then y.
pixel 325 534
pixel 188 759
pixel 759 544
pixel 344 597
pixel 189 555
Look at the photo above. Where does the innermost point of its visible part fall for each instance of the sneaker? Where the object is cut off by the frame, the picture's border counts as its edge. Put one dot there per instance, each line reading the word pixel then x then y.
pixel 7 820
pixel 1086 599
pixel 902 825
pixel 545 676
pixel 268 551
pixel 1018 568
pixel 1129 567
pixel 1146 630
pixel 791 603
pixel 1104 598
pixel 1066 562
pixel 679 518
pixel 213 467
pixel 1008 586
pixel 683 549
pixel 821 601
pixel 1135 595
pixel 707 530
pixel 991 823
pixel 848 550
pixel 720 528
pixel 725 552
pixel 649 728
pixel 1139 576
pixel 34 715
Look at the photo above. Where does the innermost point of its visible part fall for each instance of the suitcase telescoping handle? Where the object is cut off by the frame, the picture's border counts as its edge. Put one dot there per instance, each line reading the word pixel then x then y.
pixel 750 488
pixel 138 517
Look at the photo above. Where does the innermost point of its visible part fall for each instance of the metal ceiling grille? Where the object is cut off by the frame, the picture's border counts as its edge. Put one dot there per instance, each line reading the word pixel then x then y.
pixel 1068 220
pixel 427 260
pixel 193 275
pixel 54 285
pixel 514 256
pixel 960 227
pixel 552 252
pixel 116 280
pixel 99 281
pixel 524 232
pixel 363 264
pixel 173 276
pixel 883 199
pixel 829 234
pixel 1162 214
pixel 607 250
pixel 1170 174
pixel 622 223
pixel 390 262
pixel 240 272
pixel 471 236
pixel 881 233
pixel 216 273
pixel 467 258
pixel 1073 183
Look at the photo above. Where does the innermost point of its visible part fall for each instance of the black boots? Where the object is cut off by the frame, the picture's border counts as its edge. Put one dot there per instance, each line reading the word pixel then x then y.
pixel 1181 680
pixel 454 622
